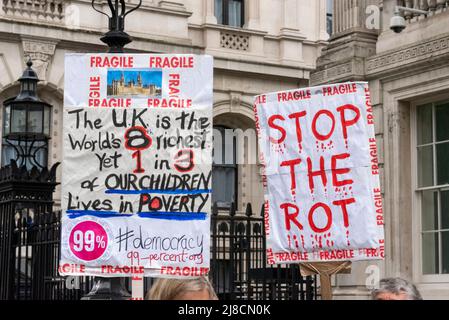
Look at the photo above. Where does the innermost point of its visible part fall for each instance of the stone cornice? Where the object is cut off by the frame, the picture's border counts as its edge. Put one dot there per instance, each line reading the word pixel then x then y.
pixel 229 29
pixel 394 63
pixel 167 7
pixel 86 37
pixel 407 58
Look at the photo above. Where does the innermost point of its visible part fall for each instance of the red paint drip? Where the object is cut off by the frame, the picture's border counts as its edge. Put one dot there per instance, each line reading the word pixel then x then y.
pixel 296 241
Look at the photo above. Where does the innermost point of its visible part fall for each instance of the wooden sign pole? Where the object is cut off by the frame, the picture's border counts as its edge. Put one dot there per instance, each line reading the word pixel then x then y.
pixel 325 270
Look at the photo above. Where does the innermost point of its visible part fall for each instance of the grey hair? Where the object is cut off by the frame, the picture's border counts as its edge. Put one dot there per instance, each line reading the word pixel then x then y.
pixel 397 286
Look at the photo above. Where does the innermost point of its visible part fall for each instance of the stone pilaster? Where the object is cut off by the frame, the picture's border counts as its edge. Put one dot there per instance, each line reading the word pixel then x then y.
pixel 253 15
pixel 209 12
pixel 290 17
pixel 290 44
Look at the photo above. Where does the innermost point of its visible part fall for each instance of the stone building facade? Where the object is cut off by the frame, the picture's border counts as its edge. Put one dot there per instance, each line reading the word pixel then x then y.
pixel 409 79
pixel 258 46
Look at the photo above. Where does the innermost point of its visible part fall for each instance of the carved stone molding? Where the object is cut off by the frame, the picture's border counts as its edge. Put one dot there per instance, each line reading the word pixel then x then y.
pixel 236 99
pixel 234 41
pixel 399 58
pixel 332 73
pixel 41 51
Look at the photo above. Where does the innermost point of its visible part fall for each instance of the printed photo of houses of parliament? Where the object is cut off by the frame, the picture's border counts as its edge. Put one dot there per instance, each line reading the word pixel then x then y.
pixel 139 83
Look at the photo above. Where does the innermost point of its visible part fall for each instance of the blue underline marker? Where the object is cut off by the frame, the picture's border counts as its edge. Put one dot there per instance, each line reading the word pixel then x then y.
pixel 72 214
pixel 178 191
pixel 161 215
pixel 180 216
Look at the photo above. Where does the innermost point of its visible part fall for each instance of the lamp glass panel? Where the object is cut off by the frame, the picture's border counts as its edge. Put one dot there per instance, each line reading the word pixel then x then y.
pixel 7 120
pixel 47 113
pixel 35 119
pixel 18 121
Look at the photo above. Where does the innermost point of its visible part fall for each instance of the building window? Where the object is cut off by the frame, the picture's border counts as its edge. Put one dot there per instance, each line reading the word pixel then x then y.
pixel 224 169
pixel 329 16
pixel 433 185
pixel 230 12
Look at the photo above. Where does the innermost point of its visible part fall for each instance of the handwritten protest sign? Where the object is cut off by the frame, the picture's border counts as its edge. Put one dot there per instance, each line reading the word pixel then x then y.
pixel 321 176
pixel 136 182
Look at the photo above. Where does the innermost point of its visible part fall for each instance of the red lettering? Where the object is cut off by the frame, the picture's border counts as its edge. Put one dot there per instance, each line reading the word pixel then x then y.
pixel 340 171
pixel 275 126
pixel 292 164
pixel 171 62
pixel 328 212
pixel 297 116
pixel 318 135
pixel 347 123
pixel 312 174
pixel 111 62
pixel 184 160
pixel 291 217
pixel 344 211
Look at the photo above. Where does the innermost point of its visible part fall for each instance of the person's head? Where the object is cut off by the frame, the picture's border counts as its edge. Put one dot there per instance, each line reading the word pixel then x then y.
pixel 182 289
pixel 396 289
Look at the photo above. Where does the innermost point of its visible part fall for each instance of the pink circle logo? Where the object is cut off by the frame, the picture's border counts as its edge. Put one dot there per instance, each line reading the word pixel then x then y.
pixel 88 240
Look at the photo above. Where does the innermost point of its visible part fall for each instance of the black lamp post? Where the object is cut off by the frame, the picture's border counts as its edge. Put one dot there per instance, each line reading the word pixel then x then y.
pixel 27 123
pixel 116 38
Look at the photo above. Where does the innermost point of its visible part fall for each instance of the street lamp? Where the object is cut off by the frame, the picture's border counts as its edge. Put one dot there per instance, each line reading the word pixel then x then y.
pixel 27 124
pixel 116 38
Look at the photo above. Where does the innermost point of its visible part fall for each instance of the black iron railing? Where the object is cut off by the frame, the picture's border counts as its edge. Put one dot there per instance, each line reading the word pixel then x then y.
pixel 30 236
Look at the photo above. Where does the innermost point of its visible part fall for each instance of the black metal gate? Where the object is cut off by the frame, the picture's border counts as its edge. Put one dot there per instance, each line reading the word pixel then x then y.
pixel 29 237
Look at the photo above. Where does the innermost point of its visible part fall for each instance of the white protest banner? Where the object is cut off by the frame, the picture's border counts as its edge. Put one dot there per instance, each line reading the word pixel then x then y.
pixel 136 178
pixel 321 176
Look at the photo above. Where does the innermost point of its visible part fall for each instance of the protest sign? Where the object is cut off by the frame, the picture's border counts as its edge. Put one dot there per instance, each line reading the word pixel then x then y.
pixel 321 175
pixel 136 180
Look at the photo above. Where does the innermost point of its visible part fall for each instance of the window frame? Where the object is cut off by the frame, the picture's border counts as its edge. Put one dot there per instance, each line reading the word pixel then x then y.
pixel 225 13
pixel 235 166
pixel 417 247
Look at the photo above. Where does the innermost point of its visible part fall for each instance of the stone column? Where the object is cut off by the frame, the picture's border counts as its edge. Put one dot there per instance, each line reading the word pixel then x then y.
pixel 348 14
pixel 209 12
pixel 253 14
pixel 351 42
pixel 322 22
pixel 290 15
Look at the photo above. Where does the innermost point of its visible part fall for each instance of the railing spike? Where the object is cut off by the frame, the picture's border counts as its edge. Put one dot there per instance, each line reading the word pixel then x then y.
pixel 249 210
pixel 215 209
pixel 232 210
pixel 52 176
